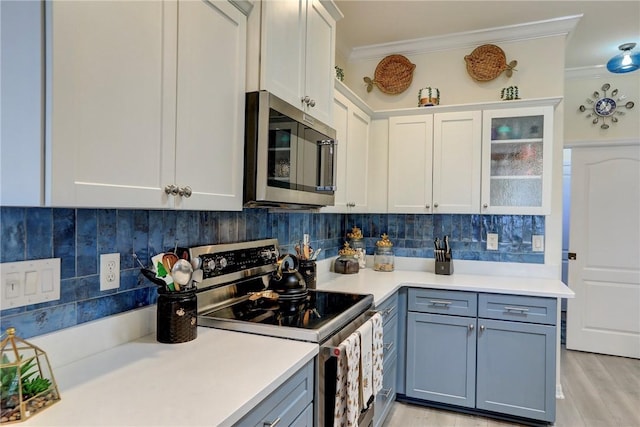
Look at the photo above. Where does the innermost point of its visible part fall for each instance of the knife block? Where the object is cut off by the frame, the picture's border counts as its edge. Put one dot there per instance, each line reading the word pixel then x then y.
pixel 444 267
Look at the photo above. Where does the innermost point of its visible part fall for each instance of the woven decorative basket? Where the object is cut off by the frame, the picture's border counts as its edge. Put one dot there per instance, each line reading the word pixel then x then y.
pixel 393 75
pixel 486 62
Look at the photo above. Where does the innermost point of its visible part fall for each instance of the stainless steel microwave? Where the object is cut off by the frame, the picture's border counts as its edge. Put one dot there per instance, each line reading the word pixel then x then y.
pixel 290 157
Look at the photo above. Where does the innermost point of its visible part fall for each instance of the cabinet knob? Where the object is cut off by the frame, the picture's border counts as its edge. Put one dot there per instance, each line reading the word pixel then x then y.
pixel 185 191
pixel 306 100
pixel 481 328
pixel 485 206
pixel 312 103
pixel 428 206
pixel 171 190
pixel 435 205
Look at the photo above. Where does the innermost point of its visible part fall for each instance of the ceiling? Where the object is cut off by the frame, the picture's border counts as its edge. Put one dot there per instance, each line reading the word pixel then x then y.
pixel 602 28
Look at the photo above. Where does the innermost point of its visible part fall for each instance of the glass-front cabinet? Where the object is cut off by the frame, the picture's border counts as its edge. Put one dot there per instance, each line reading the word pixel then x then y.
pixel 516 161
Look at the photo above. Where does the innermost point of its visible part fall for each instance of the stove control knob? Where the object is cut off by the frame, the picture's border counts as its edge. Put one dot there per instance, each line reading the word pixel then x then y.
pixel 266 254
pixel 210 265
pixel 222 262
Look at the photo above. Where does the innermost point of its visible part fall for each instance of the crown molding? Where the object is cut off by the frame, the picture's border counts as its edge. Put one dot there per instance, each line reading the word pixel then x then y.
pixel 592 72
pixel 527 31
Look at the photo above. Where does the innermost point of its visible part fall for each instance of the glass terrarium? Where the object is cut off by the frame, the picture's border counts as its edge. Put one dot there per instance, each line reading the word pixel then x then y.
pixel 26 378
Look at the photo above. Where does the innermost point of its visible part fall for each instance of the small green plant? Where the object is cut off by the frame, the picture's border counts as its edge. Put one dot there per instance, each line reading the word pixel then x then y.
pixel 509 93
pixel 32 383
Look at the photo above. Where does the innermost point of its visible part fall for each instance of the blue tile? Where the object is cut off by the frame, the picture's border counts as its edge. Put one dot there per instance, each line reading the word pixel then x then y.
pixel 124 236
pixel 13 232
pixel 169 237
pixel 107 231
pixel 156 236
pixel 140 241
pixel 87 242
pixel 39 233
pixel 64 241
pixel 38 322
pixel 97 308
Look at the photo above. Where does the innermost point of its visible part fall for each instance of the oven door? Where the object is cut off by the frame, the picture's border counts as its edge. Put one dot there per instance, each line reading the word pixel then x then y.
pixel 327 374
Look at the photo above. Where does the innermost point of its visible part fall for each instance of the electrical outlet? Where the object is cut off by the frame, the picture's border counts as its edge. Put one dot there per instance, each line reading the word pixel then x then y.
pixel 492 241
pixel 109 271
pixel 537 243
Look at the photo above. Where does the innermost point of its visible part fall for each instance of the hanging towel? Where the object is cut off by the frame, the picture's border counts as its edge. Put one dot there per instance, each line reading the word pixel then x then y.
pixel 366 363
pixel 347 406
pixel 340 409
pixel 378 352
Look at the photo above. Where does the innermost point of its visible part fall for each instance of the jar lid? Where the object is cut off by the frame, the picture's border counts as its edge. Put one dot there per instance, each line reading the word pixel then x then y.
pixel 355 233
pixel 384 242
pixel 347 250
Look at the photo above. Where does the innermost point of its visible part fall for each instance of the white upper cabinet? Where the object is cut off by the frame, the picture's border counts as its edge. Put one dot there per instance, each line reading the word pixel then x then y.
pixel 457 148
pixel 410 160
pixel 210 105
pixel 516 160
pixel 296 57
pixel 352 134
pixel 140 109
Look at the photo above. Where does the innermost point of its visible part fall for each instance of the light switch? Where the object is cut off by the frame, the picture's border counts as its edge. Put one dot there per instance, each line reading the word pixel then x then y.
pixel 31 283
pixel 537 243
pixel 492 241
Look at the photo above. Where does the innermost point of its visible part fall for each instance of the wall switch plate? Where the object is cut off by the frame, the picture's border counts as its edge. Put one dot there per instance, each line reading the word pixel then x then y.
pixel 109 271
pixel 537 243
pixel 492 241
pixel 29 282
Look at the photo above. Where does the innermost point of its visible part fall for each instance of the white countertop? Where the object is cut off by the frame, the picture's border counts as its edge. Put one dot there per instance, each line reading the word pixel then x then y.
pixel 213 380
pixel 384 284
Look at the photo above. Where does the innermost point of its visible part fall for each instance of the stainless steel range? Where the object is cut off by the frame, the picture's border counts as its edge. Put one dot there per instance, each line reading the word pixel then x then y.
pixel 233 294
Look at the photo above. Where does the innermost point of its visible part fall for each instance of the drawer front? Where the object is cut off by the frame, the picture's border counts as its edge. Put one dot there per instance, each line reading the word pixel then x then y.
pixel 457 303
pixel 390 337
pixel 286 403
pixel 517 308
pixel 388 308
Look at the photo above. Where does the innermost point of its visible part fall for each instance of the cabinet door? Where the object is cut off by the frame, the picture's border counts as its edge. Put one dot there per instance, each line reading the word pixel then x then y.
pixel 516 161
pixel 282 50
pixel 457 149
pixel 441 358
pixel 210 104
pixel 319 61
pixel 516 369
pixel 109 77
pixel 352 133
pixel 410 159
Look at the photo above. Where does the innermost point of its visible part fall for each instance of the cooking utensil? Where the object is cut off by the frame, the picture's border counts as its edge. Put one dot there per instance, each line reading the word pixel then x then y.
pixel 135 256
pixel 168 260
pixel 181 273
pixel 315 254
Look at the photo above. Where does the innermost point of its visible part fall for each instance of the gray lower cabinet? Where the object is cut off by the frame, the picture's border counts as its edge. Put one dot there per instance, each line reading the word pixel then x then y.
pixel 290 405
pixel 385 398
pixel 488 352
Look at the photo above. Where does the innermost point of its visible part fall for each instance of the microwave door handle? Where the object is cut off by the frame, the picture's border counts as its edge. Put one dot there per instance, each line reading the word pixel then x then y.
pixel 322 159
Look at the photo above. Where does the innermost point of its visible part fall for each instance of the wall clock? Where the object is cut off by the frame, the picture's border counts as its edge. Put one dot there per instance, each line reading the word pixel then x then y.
pixel 602 106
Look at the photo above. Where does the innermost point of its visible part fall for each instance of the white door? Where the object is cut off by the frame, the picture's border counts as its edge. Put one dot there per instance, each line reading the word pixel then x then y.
pixel 604 317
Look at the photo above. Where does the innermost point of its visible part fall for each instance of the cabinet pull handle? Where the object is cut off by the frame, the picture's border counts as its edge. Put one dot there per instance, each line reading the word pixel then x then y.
pixel 386 392
pixel 440 302
pixel 520 309
pixel 185 191
pixel 471 326
pixel 388 346
pixel 383 313
pixel 171 190
pixel 272 424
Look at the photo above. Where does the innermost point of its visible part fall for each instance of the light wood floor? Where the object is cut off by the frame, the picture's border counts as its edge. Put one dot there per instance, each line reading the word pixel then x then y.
pixel 599 390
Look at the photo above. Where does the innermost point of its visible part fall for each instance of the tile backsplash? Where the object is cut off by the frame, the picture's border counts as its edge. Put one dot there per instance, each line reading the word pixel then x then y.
pixel 79 236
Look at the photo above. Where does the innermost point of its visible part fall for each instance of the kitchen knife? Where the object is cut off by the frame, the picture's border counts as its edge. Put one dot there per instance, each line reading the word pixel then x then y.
pixel 447 248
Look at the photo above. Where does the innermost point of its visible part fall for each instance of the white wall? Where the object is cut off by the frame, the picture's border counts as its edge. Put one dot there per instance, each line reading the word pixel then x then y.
pixel 578 128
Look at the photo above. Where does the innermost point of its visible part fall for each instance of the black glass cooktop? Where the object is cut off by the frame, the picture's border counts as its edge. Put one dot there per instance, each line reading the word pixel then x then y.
pixel 313 311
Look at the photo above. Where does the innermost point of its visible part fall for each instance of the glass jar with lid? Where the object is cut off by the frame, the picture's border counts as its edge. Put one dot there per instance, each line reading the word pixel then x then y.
pixel 383 256
pixel 356 241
